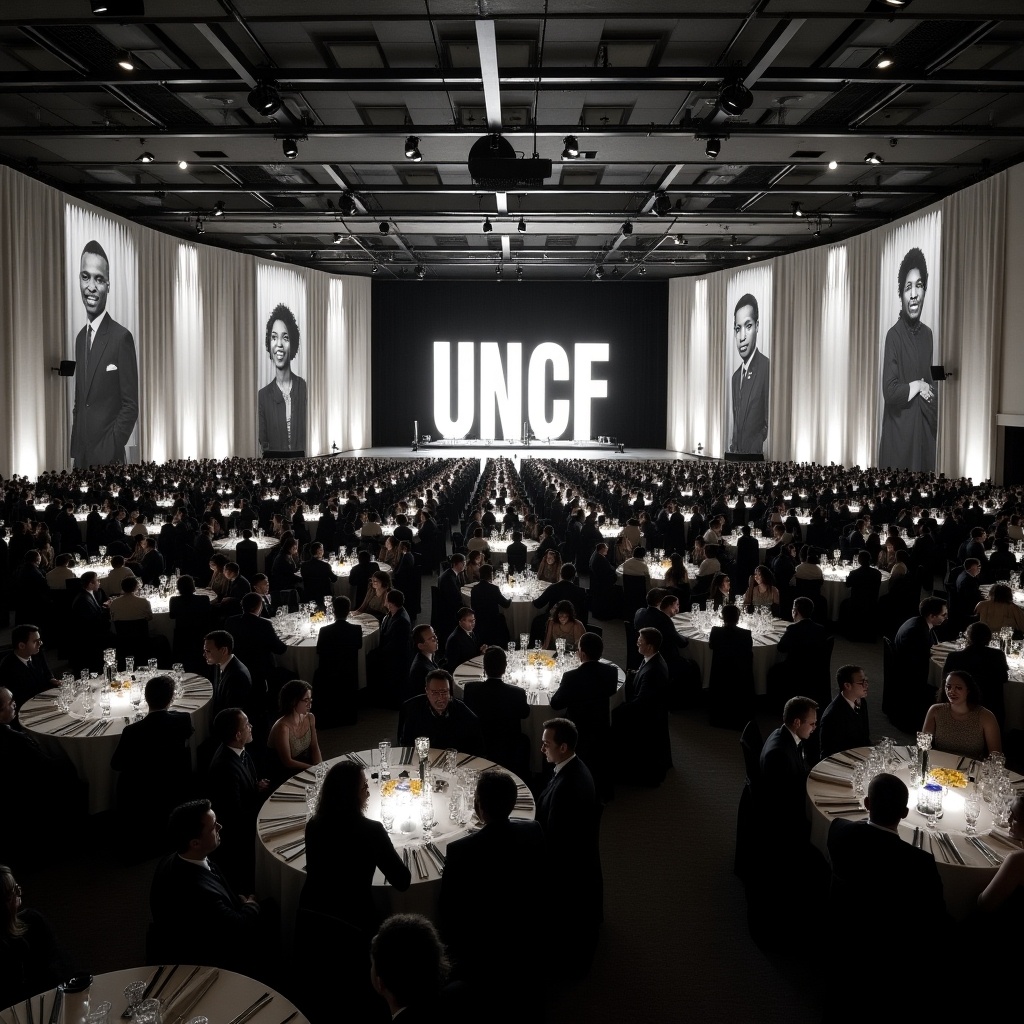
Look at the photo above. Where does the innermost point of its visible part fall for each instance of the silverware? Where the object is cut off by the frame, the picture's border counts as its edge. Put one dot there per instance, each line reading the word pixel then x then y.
pixel 58 1001
pixel 197 993
pixel 291 1016
pixel 298 853
pixel 944 837
pixel 254 1008
pixel 181 988
pixel 28 1011
pixel 163 984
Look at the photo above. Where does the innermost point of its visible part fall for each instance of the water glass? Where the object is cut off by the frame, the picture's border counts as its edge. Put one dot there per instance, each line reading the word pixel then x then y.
pixel 387 813
pixel 972 808
pixel 422 744
pixel 99 1014
pixel 152 665
pixel 129 665
pixel 385 752
pixel 149 1012
pixel 451 760
pixel 133 994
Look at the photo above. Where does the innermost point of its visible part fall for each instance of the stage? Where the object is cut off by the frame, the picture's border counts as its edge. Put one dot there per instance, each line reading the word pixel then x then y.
pixel 516 452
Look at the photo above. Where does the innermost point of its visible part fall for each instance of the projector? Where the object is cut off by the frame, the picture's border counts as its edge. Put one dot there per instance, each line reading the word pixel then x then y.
pixel 493 164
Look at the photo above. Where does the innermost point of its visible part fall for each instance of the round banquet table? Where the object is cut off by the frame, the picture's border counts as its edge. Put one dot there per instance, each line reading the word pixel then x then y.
pixel 829 794
pixel 300 658
pixel 835 590
pixel 1013 690
pixel 656 577
pixel 228 996
pixel 766 649
pixel 162 624
pixel 280 850
pixel 227 545
pixel 520 613
pixel 539 698
pixel 90 744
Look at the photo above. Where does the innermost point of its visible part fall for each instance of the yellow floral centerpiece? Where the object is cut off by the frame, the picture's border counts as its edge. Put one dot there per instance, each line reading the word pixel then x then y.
pixel 317 617
pixel 544 659
pixel 393 786
pixel 949 777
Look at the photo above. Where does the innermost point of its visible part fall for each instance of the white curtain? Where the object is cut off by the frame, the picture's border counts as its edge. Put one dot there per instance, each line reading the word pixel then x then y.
pixel 188 349
pixel 835 350
pixel 352 385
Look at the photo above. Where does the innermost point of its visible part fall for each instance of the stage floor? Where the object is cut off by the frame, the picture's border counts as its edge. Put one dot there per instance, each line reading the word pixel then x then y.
pixel 517 453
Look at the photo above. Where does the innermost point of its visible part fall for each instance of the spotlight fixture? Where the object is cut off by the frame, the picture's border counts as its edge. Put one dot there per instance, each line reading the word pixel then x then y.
pixel 218 208
pixel 265 99
pixel 873 158
pixel 183 164
pixel 200 230
pixel 125 61
pixel 274 254
pixel 384 227
pixel 374 269
pixel 421 272
pixel 145 157
pixel 662 205
pixel 572 148
pixel 734 98
pixel 497 270
pixel 522 226
pixel 337 239
pixel 643 269
pixel 885 60
pixel 679 240
pixel 833 164
pixel 519 272
pixel 347 204
pixel 412 149
pixel 713 148
pixel 488 227
pixel 118 8
pixel 290 148
pixel 627 229
pixel 599 273
pixel 313 254
pixel 798 210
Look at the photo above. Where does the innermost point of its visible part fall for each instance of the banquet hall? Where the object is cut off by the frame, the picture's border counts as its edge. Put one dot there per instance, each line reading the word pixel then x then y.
pixel 315 269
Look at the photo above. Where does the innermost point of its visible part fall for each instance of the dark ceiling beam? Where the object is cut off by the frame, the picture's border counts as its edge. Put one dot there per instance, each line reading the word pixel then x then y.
pixel 232 54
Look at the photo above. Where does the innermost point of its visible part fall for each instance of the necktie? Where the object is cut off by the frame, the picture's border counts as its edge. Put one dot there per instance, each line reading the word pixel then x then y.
pixel 250 768
pixel 742 377
pixel 88 347
pixel 216 686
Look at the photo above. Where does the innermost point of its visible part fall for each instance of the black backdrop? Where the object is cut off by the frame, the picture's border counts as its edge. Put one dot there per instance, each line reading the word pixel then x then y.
pixel 408 317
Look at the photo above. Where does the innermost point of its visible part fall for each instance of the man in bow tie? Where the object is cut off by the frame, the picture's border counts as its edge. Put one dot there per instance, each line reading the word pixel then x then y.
pixel 749 382
pixel 106 372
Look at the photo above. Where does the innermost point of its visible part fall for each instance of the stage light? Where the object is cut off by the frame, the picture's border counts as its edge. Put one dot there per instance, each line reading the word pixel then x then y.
pixel 627 229
pixel 734 98
pixel 572 148
pixel 200 230
pixel 873 158
pixel 713 148
pixel 488 228
pixel 519 272
pixel 290 148
pixel 118 8
pixel 337 239
pixel 374 269
pixel 384 227
pixel 265 99
pixel 218 208
pixel 662 205
pixel 183 164
pixel 643 270
pixel 347 204
pixel 421 272
pixel 885 60
pixel 313 254
pixel 798 210
pixel 125 61
pixel 412 149
pixel 497 271
pixel 599 273
pixel 833 164
pixel 522 226
pixel 274 254
pixel 679 240
pixel 145 158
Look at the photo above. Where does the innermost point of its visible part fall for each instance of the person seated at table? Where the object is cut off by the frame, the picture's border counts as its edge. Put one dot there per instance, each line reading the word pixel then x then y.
pixel 285 566
pixel 986 665
pixel 902 566
pixel 129 607
pixel 24 670
pixel 238 586
pixel 762 592
pixel 907 696
pixel 293 741
pixel 478 542
pixel 998 610
pixel 844 723
pixel 710 565
pixel 218 582
pixel 677 580
pixel 389 553
pixel 487 601
pixel 516 554
pixel 153 762
pixel 425 643
pixel 375 602
pixel 784 771
pixel 256 646
pixel 960 723
pixel 636 565
pixel 57 577
pixel 563 625
pixel 197 917
pixel 359 576
pixel 564 590
pixel 550 568
pixel 730 695
pixel 435 713
pixel 500 708
pixel 119 571
pixel 30 959
pixel 808 568
pixel 721 591
pixel 1003 561
pixel 232 682
pixel 463 643
pixel 344 848
pixel 505 860
pixel 474 562
pixel 1003 897
pixel 192 617
pixel 641 721
pixel 409 968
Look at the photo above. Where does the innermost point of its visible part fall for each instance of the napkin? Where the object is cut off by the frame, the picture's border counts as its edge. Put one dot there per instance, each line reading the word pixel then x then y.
pixel 835 780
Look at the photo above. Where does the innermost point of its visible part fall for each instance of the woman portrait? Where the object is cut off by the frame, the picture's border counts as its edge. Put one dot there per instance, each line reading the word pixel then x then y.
pixel 282 403
pixel 909 399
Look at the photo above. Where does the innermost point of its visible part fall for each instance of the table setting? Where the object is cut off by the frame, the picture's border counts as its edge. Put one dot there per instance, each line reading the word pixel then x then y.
pixel 83 718
pixel 299 632
pixel 227 545
pixel 422 795
pixel 959 808
pixel 766 631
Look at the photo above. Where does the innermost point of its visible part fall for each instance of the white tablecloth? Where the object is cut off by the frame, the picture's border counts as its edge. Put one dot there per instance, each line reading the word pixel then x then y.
pixel 521 613
pixel 540 702
pixel 1013 691
pixel 960 884
pixel 91 754
pixel 656 577
pixel 766 650
pixel 281 868
pixel 300 657
pixel 835 591
pixel 227 545
pixel 162 624
pixel 226 998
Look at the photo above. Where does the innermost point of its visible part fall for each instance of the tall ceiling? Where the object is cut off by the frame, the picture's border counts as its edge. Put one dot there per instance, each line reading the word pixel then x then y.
pixel 637 82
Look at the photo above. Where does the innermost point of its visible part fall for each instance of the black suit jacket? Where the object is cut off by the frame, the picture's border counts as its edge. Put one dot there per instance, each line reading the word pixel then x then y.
pixel 750 405
pixel 671 640
pixel 25 681
pixel 417 677
pixel 153 566
pixel 783 779
pixel 500 708
pixel 335 641
pixel 153 760
pixel 233 788
pixel 396 635
pixel 564 590
pixel 842 728
pixel 256 643
pixel 516 555
pixel 651 685
pixel 584 694
pixel 317 579
pixel 487 600
pixel 235 690
pixel 914 641
pixel 460 646
pixel 449 590
pixel 458 727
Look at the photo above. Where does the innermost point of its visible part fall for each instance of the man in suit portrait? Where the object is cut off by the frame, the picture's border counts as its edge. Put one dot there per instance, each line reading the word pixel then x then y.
pixel 749 382
pixel 106 372
pixel 844 723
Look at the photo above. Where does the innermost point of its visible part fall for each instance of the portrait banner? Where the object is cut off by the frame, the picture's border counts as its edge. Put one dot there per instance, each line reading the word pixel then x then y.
pixel 747 354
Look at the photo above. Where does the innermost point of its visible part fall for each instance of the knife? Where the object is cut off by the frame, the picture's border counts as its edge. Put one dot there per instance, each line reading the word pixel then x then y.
pixel 181 988
pixel 195 995
pixel 57 1003
pixel 249 1011
pixel 944 836
pixel 163 984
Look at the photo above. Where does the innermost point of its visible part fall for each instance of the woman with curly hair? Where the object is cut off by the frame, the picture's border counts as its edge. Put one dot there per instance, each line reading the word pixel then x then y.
pixel 282 403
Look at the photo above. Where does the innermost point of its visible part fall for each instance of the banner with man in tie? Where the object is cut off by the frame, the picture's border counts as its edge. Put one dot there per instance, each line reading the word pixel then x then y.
pixel 747 366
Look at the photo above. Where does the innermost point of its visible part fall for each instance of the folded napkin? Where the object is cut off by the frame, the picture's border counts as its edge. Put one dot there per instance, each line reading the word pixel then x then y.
pixel 835 780
pixel 836 803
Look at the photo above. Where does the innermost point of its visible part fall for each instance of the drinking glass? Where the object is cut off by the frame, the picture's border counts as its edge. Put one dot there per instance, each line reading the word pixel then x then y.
pixel 149 1012
pixel 129 665
pixel 385 752
pixel 152 664
pixel 387 813
pixel 99 1014
pixel 972 808
pixel 133 994
pixel 451 760
pixel 422 746
pixel 427 815
pixel 136 696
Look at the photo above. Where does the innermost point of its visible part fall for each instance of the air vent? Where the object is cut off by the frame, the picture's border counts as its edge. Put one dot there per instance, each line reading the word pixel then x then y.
pixel 385 116
pixel 806 154
pixel 512 116
pixel 418 176
pixel 352 53
pixel 581 175
pixel 600 117
pixel 562 241
pixel 109 174
pixel 451 241
pixel 210 154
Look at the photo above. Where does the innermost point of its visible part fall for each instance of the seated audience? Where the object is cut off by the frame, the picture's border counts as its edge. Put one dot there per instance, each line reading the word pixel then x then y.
pixel 844 723
pixel 408 968
pixel 500 707
pixel 292 741
pixel 437 714
pixel 960 723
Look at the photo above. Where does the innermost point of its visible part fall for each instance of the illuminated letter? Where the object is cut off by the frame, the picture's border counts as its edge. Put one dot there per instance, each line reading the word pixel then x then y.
pixel 446 426
pixel 584 388
pixel 509 397
pixel 547 352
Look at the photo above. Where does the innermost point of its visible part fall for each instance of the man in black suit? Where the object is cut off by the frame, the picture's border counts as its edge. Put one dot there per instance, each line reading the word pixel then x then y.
pixel 986 665
pixel 408 967
pixel 236 793
pixel 641 721
pixel 153 762
pixel 463 643
pixel 90 618
pixel 487 601
pixel 256 644
pixel 660 618
pixel 336 679
pixel 107 373
pixel 317 576
pixel 261 585
pixel 584 695
pixel 425 642
pixel 196 914
pixel 387 665
pixel 844 723
pixel 232 683
pixel 192 616
pixel 968 591
pixel 749 382
pixel 153 565
pixel 245 555
pixel 907 701
pixel 493 892
pixel 565 590
pixel 24 670
pixel 437 714
pixel 605 596
pixel 784 771
pixel 500 708
pixel 238 586
pixel 570 815
pixel 515 553
pixel 803 646
pixel 359 577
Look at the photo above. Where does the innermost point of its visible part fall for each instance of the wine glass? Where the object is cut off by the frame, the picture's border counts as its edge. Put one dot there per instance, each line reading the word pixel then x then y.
pixel 103 550
pixel 387 813
pixel 136 696
pixel 133 994
pixel 422 747
pixel 972 808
